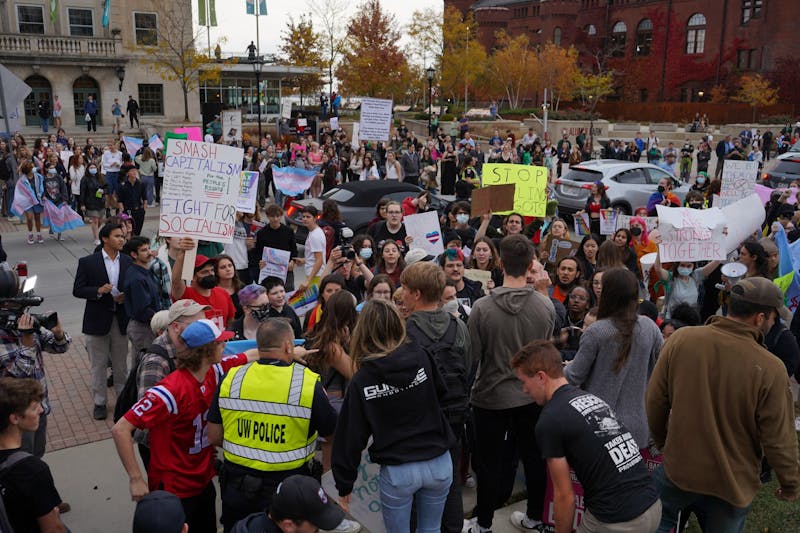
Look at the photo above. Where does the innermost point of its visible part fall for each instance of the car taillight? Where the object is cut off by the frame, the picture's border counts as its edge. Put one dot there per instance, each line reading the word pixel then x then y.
pixel 558 181
pixel 290 211
pixel 587 186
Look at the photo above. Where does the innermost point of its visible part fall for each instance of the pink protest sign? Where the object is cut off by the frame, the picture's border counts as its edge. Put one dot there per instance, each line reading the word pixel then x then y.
pixel 194 133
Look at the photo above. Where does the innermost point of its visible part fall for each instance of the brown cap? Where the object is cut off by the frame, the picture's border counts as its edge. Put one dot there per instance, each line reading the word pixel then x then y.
pixel 183 308
pixel 759 291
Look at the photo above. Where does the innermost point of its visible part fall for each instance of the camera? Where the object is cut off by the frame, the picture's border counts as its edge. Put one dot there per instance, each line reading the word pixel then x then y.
pixel 346 243
pixel 14 304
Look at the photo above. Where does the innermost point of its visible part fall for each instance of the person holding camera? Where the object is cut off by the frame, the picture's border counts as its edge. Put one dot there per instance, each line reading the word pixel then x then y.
pixel 21 344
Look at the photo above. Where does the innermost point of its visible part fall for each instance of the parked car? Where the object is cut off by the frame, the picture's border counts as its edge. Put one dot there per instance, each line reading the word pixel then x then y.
pixel 628 184
pixel 357 201
pixel 783 170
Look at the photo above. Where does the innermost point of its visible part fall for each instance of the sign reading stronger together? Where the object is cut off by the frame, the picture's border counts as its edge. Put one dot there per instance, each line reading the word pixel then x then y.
pixel 530 193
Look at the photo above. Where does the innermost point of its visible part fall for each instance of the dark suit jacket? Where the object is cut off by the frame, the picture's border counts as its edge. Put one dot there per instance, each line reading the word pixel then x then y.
pixel 99 312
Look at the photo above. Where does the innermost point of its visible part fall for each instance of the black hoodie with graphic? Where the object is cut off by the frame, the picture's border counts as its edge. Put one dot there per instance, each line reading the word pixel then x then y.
pixel 395 400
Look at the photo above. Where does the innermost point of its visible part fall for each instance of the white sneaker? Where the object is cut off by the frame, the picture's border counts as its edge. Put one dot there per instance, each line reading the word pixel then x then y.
pixel 521 521
pixel 347 526
pixel 471 526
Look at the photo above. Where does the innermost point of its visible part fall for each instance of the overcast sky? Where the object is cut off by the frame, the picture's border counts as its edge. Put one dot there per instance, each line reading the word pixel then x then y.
pixel 240 28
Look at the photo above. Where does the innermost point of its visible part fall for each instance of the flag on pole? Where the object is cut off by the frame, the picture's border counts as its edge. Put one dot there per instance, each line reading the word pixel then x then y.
pixel 250 6
pixel 53 10
pixel 106 10
pixel 207 11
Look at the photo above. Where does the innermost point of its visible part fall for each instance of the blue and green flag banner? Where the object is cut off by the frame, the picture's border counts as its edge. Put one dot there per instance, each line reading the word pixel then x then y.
pixel 207 10
pixel 106 12
pixel 251 7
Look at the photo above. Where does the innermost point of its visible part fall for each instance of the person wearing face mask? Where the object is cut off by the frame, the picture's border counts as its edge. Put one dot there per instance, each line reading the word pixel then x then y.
pixel 204 289
pixel 701 183
pixel 662 196
pixel 55 191
pixel 92 198
pixel 731 426
pixel 695 200
pixel 684 280
pixel 458 225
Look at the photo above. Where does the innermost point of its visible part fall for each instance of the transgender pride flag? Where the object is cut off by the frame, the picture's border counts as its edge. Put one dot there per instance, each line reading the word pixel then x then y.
pixel 24 195
pixel 292 181
pixel 60 218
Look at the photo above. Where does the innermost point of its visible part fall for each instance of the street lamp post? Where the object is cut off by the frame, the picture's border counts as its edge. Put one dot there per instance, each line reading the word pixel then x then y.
pixel 257 65
pixel 430 72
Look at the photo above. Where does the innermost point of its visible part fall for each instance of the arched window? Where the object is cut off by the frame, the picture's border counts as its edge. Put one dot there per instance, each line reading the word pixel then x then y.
pixel 618 33
pixel 557 36
pixel 81 89
pixel 644 37
pixel 696 34
pixel 591 30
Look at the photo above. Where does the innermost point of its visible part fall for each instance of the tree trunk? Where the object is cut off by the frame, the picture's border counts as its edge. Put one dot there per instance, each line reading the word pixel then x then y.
pixel 185 102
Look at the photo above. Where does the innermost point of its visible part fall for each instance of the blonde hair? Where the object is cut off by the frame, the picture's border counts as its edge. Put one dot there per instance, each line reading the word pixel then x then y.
pixel 379 331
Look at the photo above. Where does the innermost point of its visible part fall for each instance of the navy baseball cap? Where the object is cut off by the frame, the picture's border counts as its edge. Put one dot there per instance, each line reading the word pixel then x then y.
pixel 159 512
pixel 202 332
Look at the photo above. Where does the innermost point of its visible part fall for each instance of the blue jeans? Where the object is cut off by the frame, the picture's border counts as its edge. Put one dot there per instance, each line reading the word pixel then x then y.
pixel 719 514
pixel 112 179
pixel 149 183
pixel 45 123
pixel 427 482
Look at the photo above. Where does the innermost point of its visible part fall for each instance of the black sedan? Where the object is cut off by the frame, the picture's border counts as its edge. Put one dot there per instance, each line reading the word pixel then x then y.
pixel 357 202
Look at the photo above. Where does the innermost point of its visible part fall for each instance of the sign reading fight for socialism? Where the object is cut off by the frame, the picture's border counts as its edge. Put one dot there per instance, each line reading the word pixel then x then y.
pixel 738 181
pixel 376 119
pixel 691 234
pixel 530 193
pixel 200 192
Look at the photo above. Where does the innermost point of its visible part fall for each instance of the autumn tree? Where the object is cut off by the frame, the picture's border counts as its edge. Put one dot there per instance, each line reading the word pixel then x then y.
pixel 558 72
pixel 301 46
pixel 464 57
pixel 424 34
pixel 718 95
pixel 329 14
pixel 372 62
pixel 171 50
pixel 756 91
pixel 512 67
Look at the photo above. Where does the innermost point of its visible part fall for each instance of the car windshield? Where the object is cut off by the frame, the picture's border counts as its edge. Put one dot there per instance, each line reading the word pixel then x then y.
pixel 339 195
pixel 787 166
pixel 587 176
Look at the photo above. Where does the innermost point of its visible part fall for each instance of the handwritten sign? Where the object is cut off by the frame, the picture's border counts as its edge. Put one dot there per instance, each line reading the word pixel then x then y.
pixel 624 221
pixel 530 193
pixel 248 191
pixel 376 119
pixel 608 221
pixel 232 126
pixel 365 500
pixel 690 235
pixel 424 229
pixel 276 264
pixel 738 181
pixel 286 108
pixel 492 199
pixel 200 191
pixel 581 224
pixel 334 123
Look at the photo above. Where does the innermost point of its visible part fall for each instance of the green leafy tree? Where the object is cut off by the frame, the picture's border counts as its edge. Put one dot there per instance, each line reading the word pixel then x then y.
pixel 301 46
pixel 372 62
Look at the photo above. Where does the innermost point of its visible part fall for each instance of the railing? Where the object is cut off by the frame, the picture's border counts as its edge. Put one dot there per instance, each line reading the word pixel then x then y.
pixel 57 46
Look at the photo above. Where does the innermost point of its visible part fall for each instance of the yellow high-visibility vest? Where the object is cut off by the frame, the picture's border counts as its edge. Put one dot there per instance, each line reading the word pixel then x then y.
pixel 266 412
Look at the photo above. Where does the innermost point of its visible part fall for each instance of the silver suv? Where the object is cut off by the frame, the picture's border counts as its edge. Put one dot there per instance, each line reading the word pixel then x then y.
pixel 628 184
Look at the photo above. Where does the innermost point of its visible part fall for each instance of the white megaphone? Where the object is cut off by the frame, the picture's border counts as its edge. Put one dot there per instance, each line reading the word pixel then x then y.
pixel 734 272
pixel 647 261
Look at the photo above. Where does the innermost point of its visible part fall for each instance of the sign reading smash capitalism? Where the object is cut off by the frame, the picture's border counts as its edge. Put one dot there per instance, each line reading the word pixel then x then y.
pixel 200 191
pixel 530 193
pixel 689 235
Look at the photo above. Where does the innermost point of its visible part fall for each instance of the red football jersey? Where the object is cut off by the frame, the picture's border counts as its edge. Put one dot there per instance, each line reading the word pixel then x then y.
pixel 175 411
pixel 222 309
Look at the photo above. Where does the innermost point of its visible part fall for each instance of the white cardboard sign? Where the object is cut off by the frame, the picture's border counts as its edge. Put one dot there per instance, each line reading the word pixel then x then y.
pixel 376 119
pixel 424 229
pixel 689 235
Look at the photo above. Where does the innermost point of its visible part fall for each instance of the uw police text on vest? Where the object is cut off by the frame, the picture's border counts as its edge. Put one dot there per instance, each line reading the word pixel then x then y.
pixel 263 431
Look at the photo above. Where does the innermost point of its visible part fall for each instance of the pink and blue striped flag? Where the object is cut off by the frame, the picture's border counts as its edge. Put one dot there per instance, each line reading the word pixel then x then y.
pixel 25 197
pixel 61 218
pixel 292 181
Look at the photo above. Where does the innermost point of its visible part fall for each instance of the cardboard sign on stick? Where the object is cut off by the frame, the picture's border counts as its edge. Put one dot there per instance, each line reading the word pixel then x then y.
pixel 493 199
pixel 530 192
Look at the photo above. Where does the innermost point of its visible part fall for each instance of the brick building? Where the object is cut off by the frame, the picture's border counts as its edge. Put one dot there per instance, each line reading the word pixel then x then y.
pixel 674 50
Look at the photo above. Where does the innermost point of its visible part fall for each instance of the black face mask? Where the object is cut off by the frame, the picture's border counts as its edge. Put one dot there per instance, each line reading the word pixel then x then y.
pixel 696 206
pixel 208 282
pixel 661 189
pixel 260 314
pixel 636 231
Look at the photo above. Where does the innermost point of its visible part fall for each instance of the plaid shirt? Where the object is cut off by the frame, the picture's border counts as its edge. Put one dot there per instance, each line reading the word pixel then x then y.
pixel 20 361
pixel 160 273
pixel 151 370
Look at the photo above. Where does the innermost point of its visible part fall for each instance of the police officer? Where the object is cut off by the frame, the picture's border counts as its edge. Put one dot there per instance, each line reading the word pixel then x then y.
pixel 267 416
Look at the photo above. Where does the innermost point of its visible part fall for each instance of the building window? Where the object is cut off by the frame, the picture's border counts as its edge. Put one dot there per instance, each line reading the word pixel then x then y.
pixel 557 36
pixel 751 9
pixel 696 34
pixel 145 25
pixel 746 59
pixel 80 22
pixel 618 39
pixel 31 19
pixel 151 98
pixel 642 95
pixel 591 30
pixel 644 37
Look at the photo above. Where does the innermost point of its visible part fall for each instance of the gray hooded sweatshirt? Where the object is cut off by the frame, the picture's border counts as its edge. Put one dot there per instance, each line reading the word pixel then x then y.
pixel 499 325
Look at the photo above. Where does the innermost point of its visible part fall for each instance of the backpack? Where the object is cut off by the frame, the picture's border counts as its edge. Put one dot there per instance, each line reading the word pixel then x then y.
pixel 130 392
pixel 5 466
pixel 452 366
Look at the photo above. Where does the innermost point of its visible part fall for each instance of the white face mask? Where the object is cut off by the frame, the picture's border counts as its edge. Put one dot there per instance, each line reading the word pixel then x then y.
pixel 450 306
pixel 462 218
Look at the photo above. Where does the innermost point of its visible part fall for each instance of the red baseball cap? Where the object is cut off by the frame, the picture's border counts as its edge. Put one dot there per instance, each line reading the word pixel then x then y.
pixel 200 261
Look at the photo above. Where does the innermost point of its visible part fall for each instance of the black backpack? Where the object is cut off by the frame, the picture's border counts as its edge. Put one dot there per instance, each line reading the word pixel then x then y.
pixel 451 364
pixel 130 392
pixel 5 466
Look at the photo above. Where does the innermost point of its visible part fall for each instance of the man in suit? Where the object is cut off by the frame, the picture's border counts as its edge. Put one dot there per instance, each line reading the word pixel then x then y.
pixel 98 281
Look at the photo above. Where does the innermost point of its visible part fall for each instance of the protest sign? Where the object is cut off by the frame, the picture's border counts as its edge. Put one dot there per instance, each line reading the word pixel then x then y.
pixel 231 126
pixel 742 219
pixel 305 301
pixel 624 221
pixel 560 249
pixel 608 221
pixel 689 235
pixel 493 199
pixel 581 224
pixel 200 191
pixel 476 274
pixel 530 192
pixel 738 181
pixel 286 108
pixel 276 264
pixel 424 229
pixel 172 135
pixel 292 181
pixel 192 133
pixel 365 500
pixel 334 123
pixel 376 119
pixel 248 191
